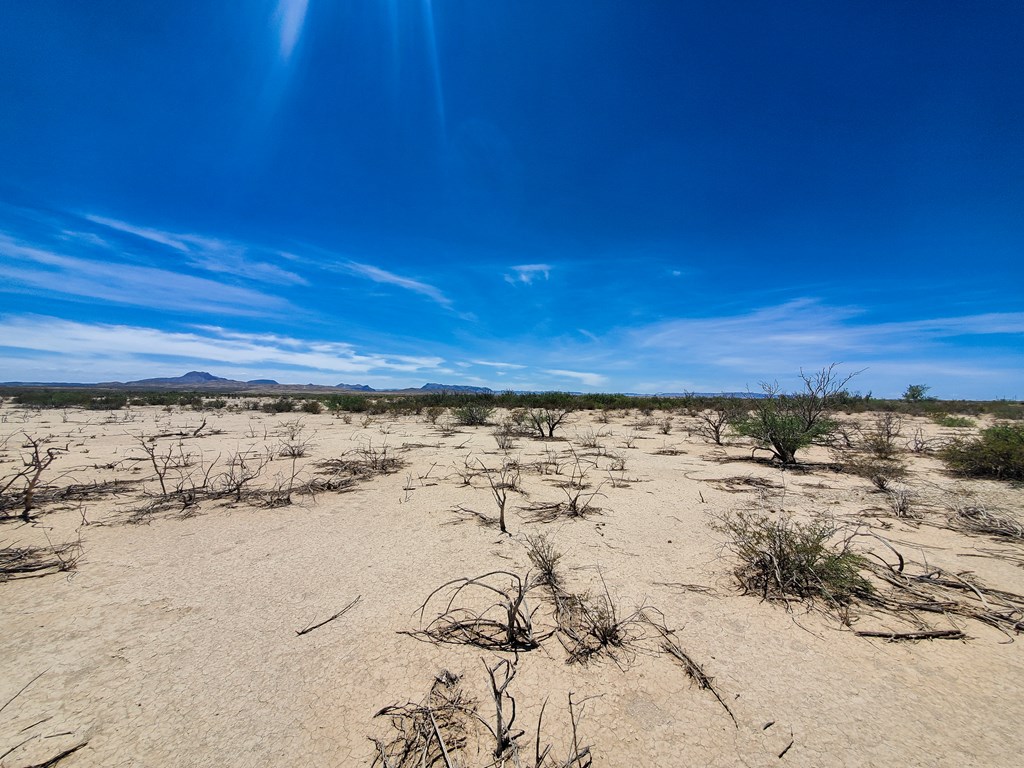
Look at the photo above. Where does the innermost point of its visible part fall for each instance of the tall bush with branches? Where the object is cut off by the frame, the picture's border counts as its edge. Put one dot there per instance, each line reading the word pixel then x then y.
pixel 785 423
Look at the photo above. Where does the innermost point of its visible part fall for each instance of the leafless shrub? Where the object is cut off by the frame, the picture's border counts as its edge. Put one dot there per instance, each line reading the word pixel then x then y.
pixel 919 444
pixel 489 611
pixel 428 734
pixel 630 438
pixel 901 503
pixel 665 425
pixel 505 439
pixel 545 558
pixel 19 488
pixel 547 420
pixel 587 438
pixel 880 438
pixel 467 471
pixel 712 422
pixel 34 562
pixel 501 480
pixel 243 467
pixel 980 519
pixel 618 462
pixel 380 460
pixel 446 727
pixel 589 626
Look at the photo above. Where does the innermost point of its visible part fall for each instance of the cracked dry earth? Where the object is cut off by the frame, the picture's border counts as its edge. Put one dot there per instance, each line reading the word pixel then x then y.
pixel 173 641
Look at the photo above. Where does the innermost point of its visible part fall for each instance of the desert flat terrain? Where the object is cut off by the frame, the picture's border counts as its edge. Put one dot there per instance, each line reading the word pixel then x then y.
pixel 173 636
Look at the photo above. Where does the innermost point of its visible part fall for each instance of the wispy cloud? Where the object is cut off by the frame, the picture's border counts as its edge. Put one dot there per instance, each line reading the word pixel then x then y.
pixel 46 271
pixel 379 275
pixel 527 273
pixel 590 379
pixel 207 253
pixel 806 329
pixel 122 346
pixel 491 364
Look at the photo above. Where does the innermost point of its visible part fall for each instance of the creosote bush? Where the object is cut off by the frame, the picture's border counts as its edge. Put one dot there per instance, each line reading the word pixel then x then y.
pixel 781 557
pixel 997 453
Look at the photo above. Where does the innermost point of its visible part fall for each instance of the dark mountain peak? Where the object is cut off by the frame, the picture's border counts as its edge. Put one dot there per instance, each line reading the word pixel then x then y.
pixel 457 388
pixel 356 387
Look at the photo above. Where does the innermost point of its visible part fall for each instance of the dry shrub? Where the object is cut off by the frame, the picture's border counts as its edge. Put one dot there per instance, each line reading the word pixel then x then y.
pixel 783 558
pixel 490 611
pixel 881 472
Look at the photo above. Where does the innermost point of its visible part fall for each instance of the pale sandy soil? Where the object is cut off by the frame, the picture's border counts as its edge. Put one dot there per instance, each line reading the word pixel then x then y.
pixel 173 642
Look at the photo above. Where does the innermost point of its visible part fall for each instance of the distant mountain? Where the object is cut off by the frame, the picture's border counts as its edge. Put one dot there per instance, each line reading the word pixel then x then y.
pixel 456 388
pixel 263 382
pixel 192 377
pixel 355 387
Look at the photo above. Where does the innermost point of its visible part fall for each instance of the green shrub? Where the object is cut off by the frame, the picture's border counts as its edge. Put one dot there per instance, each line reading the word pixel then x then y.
pixel 473 414
pixel 998 453
pixel 945 420
pixel 281 405
pixel 312 406
pixel 784 558
pixel 783 424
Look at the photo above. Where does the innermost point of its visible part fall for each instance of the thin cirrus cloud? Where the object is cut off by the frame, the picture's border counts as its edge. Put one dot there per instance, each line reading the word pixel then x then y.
pixel 806 330
pixel 46 271
pixel 125 346
pixel 589 379
pixel 378 275
pixel 493 364
pixel 527 273
pixel 207 253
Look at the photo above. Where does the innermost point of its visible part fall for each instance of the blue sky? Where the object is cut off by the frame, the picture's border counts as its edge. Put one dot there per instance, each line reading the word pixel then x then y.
pixel 598 196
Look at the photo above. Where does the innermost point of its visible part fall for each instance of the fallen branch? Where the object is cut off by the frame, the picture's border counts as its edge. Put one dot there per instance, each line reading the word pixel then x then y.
pixel 936 634
pixel 339 614
pixel 58 757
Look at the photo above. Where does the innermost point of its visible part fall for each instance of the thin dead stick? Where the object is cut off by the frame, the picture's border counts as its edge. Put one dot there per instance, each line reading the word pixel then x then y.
pixel 937 634
pixel 23 688
pixel 696 673
pixel 440 741
pixel 58 757
pixel 339 614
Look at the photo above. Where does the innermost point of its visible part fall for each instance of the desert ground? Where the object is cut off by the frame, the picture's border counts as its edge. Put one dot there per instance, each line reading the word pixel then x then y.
pixel 189 550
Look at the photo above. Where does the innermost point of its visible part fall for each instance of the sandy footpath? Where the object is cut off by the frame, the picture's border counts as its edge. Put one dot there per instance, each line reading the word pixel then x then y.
pixel 174 640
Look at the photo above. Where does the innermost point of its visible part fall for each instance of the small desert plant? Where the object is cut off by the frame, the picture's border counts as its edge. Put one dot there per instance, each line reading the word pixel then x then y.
pixel 997 453
pixel 881 472
pixel 489 611
pixel 588 438
pixel 665 425
pixel 473 415
pixel 505 439
pixel 433 412
pixel 713 421
pixel 880 437
pixel 547 420
pixel 312 406
pixel 545 558
pixel 946 420
pixel 781 557
pixel 281 405
pixel 901 503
